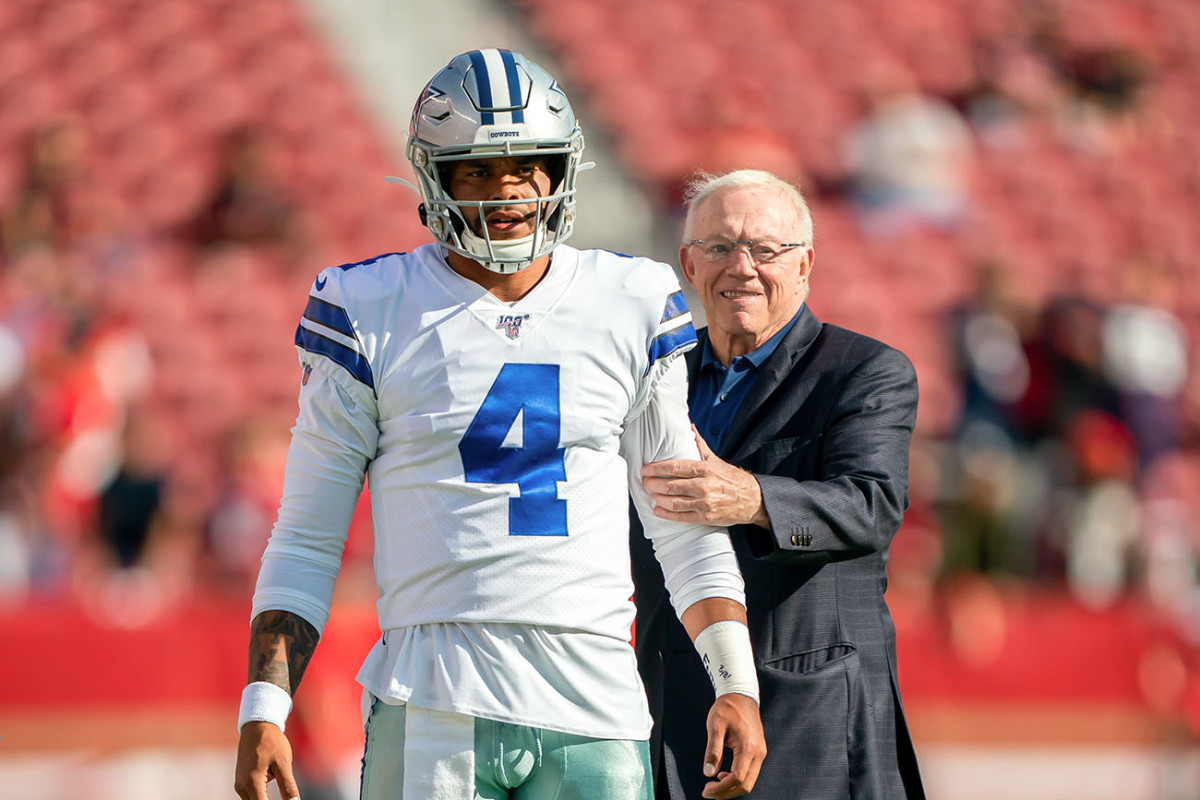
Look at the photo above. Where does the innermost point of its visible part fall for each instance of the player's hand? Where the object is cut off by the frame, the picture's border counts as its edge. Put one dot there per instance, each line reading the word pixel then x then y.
pixel 709 491
pixel 733 722
pixel 264 755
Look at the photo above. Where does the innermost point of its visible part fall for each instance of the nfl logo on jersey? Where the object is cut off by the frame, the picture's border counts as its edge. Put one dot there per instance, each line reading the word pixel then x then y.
pixel 511 323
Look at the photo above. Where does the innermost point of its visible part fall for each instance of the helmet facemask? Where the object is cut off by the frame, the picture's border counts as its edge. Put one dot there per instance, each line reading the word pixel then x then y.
pixel 553 213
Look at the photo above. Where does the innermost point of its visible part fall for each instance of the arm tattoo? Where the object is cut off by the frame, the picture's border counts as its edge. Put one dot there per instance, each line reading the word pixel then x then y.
pixel 281 645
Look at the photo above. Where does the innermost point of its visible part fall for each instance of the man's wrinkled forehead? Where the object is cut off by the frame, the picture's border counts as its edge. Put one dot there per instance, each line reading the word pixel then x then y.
pixel 733 211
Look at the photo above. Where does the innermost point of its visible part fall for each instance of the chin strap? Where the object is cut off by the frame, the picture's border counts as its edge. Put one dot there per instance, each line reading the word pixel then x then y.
pixel 514 252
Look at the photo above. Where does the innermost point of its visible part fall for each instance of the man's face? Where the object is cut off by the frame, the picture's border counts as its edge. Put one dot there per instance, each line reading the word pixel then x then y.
pixel 515 178
pixel 746 302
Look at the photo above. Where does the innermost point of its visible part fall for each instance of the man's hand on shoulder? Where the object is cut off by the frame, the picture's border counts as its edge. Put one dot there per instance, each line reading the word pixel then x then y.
pixel 709 491
pixel 734 723
pixel 264 755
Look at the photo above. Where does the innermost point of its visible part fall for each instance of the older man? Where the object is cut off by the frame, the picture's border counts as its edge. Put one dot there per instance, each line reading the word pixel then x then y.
pixel 809 427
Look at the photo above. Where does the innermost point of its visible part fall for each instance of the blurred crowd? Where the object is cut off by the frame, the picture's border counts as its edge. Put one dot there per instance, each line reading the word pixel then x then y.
pixel 1068 417
pixel 102 495
pixel 1071 461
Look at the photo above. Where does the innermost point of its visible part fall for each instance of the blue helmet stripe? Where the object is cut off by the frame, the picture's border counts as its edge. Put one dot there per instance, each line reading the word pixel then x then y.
pixel 676 306
pixel 664 344
pixel 329 315
pixel 484 84
pixel 514 86
pixel 338 353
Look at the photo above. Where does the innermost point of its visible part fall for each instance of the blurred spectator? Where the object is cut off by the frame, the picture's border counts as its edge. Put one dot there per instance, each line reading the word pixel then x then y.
pixel 908 159
pixel 1110 77
pixel 245 502
pixel 250 204
pixel 129 504
pixel 994 486
pixel 979 529
pixel 53 207
pixel 1017 89
pixel 1101 515
pixel 16 558
pixel 1146 358
pixel 1067 358
pixel 134 567
pixel 1170 541
pixel 988 333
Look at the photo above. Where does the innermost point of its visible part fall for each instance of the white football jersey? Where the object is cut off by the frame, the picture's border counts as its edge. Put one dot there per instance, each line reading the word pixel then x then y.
pixel 499 440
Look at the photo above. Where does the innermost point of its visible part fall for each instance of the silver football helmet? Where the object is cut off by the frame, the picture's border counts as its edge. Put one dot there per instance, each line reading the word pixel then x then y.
pixel 495 103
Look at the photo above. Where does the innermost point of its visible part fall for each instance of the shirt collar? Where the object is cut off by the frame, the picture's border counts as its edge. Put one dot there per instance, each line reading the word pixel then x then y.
pixel 756 357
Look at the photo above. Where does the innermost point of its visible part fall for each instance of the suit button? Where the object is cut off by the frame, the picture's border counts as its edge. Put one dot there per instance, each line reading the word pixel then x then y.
pixel 795 540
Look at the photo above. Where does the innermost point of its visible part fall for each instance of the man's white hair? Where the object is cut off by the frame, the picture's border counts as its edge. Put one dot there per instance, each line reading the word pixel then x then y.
pixel 704 184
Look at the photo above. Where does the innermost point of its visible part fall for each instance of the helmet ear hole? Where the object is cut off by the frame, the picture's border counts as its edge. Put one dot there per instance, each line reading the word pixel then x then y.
pixel 556 166
pixel 444 174
pixel 423 214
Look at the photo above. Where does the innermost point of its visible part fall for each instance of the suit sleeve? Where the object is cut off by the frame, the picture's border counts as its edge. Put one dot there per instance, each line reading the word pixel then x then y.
pixel 856 506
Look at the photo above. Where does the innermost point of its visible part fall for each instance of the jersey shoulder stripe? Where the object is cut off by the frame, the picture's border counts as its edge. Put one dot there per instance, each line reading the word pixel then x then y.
pixel 330 315
pixel 369 261
pixel 349 359
pixel 676 307
pixel 663 345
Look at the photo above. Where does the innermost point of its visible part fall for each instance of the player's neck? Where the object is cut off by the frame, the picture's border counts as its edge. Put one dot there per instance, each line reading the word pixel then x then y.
pixel 508 288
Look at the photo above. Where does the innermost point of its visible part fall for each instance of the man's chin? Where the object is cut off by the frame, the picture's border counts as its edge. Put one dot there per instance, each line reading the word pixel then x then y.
pixel 739 322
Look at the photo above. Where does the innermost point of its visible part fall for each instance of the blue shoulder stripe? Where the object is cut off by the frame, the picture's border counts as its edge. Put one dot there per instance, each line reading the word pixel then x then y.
pixel 343 356
pixel 676 306
pixel 666 343
pixel 329 315
pixel 372 260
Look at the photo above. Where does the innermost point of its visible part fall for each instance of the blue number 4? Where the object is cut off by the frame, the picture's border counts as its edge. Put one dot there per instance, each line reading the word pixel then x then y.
pixel 531 392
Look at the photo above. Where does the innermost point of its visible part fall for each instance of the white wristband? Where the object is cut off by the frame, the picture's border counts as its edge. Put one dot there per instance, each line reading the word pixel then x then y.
pixel 725 649
pixel 264 702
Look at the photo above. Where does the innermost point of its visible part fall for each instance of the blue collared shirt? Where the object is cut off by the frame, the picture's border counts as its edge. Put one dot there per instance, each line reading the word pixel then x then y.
pixel 719 390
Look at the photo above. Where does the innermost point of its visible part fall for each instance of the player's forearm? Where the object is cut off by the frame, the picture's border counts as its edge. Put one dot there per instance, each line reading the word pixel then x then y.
pixel 281 645
pixel 717 626
pixel 702 613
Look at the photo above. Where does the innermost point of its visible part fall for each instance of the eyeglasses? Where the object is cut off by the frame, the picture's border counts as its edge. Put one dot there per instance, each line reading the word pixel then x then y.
pixel 721 250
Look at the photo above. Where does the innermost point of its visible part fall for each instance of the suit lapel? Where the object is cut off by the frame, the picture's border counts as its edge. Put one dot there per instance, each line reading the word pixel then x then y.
pixel 772 373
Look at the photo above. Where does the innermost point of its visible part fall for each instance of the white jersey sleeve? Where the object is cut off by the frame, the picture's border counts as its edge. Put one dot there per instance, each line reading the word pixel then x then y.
pixel 698 560
pixel 333 441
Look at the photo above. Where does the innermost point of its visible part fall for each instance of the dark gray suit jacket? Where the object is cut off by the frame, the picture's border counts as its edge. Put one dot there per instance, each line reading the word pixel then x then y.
pixel 825 430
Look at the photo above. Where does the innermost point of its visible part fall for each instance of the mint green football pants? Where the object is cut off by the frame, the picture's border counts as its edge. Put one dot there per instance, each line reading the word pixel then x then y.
pixel 415 753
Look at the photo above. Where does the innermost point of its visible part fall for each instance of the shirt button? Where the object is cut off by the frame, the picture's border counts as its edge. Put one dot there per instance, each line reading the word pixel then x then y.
pixel 723 397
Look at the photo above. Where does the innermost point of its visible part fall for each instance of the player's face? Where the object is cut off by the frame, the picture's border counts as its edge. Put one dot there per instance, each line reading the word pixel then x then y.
pixel 746 301
pixel 516 178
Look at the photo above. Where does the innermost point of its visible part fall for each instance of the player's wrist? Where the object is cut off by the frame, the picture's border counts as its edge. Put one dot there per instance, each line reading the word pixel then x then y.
pixel 264 702
pixel 728 657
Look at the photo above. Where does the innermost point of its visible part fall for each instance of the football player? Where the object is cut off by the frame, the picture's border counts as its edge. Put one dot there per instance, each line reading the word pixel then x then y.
pixel 501 390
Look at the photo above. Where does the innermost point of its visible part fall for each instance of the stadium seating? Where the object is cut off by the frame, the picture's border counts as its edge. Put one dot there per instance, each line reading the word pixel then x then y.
pixel 1062 193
